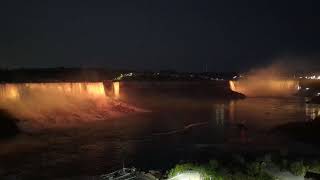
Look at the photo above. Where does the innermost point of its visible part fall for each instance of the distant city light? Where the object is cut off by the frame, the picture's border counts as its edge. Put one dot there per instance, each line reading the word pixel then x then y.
pixel 119 78
pixel 312 77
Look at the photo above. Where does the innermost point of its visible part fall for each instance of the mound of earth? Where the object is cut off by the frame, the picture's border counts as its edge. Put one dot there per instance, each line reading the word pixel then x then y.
pixel 8 127
pixel 315 100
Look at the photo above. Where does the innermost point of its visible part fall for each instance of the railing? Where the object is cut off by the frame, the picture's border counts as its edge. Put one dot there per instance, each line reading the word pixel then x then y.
pixel 123 174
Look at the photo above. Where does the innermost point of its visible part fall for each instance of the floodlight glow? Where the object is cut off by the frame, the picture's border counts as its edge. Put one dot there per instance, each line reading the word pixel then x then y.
pixel 190 175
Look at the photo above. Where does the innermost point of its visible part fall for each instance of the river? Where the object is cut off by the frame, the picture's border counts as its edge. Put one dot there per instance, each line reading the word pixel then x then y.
pixel 171 130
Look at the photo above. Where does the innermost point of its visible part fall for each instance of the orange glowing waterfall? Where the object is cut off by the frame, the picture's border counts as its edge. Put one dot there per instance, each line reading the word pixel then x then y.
pixel 265 87
pixel 47 105
pixel 9 91
pixel 116 89
pixel 55 104
pixel 20 90
pixel 232 87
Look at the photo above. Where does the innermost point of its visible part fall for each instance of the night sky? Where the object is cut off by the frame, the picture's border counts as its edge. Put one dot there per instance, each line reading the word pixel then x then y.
pixel 158 34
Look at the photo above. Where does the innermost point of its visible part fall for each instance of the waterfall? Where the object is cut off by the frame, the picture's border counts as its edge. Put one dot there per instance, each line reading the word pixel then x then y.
pixel 14 91
pixel 116 89
pixel 265 87
pixel 55 103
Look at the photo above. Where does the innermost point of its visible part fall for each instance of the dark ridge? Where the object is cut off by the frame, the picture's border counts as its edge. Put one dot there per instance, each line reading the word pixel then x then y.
pixel 56 75
pixel 62 74
pixel 8 126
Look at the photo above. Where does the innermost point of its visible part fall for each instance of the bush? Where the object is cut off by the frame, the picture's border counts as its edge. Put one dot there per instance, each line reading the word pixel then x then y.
pixel 315 167
pixel 284 164
pixel 297 168
pixel 267 158
pixel 206 171
pixel 179 168
pixel 213 164
pixel 254 169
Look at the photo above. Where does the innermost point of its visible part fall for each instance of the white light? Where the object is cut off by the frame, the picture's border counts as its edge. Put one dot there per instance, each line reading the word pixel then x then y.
pixel 187 176
pixel 234 77
pixel 307 89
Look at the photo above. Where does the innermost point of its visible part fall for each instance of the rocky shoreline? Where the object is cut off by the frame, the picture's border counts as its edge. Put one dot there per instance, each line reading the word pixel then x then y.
pixel 8 126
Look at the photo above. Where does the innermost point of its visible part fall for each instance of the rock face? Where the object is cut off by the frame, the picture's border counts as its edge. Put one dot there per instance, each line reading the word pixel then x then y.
pixel 315 100
pixel 8 127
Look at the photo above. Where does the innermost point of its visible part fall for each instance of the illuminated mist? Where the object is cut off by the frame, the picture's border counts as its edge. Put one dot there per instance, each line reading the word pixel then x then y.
pixel 116 89
pixel 265 82
pixel 58 104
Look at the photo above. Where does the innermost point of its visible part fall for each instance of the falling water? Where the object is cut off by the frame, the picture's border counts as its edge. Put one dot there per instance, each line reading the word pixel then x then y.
pixel 267 87
pixel 59 104
pixel 116 89
pixel 19 90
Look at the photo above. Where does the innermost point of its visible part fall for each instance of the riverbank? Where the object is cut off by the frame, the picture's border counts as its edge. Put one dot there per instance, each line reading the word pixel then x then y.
pixel 8 125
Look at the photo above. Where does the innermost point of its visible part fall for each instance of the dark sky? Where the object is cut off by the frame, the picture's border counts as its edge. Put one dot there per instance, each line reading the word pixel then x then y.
pixel 157 34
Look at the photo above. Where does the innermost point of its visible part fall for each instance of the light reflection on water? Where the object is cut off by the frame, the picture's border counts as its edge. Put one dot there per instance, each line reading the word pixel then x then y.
pixel 220 112
pixel 224 111
pixel 312 111
pixel 243 116
pixel 240 111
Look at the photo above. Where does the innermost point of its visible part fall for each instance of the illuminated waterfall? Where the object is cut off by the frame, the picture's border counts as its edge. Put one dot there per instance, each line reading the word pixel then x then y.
pixel 116 89
pixel 55 103
pixel 9 92
pixel 268 87
pixel 21 90
pixel 46 105
pixel 232 86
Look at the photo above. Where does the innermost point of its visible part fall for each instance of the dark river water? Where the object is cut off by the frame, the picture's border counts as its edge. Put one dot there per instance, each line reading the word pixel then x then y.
pixel 175 129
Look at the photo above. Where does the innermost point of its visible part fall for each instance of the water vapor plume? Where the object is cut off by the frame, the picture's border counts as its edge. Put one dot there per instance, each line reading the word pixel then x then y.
pixel 274 80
